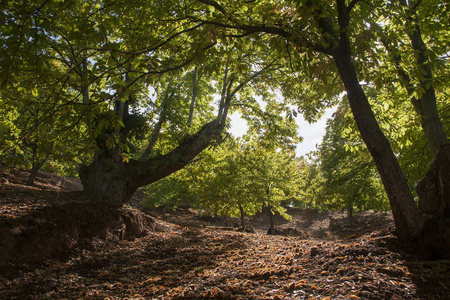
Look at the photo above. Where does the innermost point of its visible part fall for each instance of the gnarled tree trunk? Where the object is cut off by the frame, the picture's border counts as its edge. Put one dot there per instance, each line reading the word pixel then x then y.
pixel 434 204
pixel 109 178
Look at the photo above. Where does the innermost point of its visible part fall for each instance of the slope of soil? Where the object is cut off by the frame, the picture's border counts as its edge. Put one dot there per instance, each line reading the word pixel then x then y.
pixel 196 259
pixel 53 217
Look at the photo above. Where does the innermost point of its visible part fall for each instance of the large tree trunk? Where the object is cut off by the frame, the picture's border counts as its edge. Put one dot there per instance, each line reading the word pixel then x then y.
pixel 407 218
pixel 434 204
pixel 109 178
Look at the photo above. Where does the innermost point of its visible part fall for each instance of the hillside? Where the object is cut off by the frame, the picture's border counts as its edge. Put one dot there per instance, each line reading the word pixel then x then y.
pixel 56 244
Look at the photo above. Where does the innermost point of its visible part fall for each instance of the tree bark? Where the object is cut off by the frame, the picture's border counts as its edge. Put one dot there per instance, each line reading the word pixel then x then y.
pixel 241 209
pixel 434 204
pixel 272 225
pixel 107 178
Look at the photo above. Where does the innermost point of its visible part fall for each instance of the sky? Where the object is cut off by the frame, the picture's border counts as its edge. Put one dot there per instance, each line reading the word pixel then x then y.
pixel 312 133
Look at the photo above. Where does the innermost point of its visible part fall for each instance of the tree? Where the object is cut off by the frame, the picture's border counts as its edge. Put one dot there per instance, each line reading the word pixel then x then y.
pixel 31 142
pixel 220 182
pixel 43 122
pixel 95 60
pixel 336 36
pixel 272 178
pixel 311 183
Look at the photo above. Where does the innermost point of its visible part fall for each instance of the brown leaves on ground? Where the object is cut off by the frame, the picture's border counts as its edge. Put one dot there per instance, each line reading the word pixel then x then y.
pixel 204 262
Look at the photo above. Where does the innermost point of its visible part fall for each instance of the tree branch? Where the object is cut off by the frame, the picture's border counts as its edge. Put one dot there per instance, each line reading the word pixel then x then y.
pixel 251 28
pixel 352 4
pixel 223 92
pixel 156 168
pixel 414 7
pixel 241 85
pixel 196 77
pixel 213 4
pixel 157 130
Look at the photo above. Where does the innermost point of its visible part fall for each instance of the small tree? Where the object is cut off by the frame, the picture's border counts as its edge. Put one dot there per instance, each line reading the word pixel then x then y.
pixel 272 178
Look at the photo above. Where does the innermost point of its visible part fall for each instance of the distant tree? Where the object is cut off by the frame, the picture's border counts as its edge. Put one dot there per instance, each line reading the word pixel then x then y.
pixel 221 184
pixel 237 179
pixel 311 182
pixel 272 178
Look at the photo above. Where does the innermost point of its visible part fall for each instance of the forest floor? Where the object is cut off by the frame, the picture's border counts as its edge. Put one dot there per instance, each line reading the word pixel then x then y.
pixel 317 255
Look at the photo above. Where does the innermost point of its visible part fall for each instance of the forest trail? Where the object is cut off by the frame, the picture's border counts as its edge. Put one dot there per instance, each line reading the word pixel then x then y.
pixel 187 257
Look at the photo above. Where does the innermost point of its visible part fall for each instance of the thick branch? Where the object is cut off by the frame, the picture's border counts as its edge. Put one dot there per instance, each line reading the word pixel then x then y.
pixel 227 102
pixel 242 84
pixel 154 169
pixel 251 29
pixel 223 93
pixel 413 7
pixel 352 4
